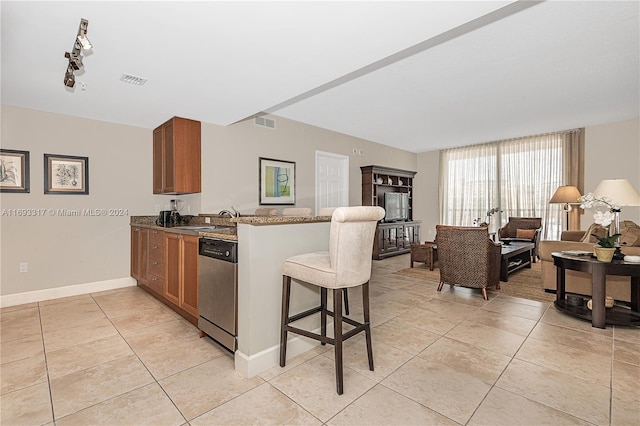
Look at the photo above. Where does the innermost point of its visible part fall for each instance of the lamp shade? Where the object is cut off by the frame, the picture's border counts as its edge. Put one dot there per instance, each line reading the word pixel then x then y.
pixel 618 191
pixel 566 195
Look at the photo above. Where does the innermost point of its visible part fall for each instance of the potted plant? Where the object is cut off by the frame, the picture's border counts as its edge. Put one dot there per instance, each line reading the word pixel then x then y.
pixel 488 220
pixel 606 246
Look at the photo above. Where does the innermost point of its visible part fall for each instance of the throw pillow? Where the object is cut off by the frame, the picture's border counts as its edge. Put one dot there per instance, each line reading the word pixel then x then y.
pixel 526 233
pixel 630 234
pixel 593 229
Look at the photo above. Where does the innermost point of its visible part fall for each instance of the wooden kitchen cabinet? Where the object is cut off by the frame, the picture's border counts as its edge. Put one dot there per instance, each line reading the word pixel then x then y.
pixel 139 250
pixel 181 286
pixel 156 261
pixel 177 157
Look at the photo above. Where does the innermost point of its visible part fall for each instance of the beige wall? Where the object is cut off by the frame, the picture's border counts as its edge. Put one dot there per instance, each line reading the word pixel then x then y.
pixel 65 251
pixel 230 161
pixel 611 151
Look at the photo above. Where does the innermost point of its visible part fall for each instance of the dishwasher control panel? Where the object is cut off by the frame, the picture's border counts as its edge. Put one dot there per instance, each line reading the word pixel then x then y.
pixel 219 249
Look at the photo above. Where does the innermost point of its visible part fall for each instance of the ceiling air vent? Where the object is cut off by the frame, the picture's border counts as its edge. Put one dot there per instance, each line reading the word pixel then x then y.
pixel 265 122
pixel 132 79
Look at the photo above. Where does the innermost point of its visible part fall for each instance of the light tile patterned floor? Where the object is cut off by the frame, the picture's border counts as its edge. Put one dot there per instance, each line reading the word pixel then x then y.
pixel 121 358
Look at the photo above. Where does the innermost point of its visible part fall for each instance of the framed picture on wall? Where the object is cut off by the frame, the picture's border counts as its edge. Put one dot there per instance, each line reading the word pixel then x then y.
pixel 66 174
pixel 277 183
pixel 14 170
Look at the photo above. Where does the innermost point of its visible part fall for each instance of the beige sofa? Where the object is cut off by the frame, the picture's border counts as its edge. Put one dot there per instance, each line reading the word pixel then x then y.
pixel 580 282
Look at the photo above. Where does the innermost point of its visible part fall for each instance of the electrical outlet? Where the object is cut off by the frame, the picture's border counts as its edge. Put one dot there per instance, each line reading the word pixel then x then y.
pixel 24 267
pixel 207 220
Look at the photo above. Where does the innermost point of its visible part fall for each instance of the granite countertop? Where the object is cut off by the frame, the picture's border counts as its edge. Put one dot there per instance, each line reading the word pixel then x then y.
pixel 278 220
pixel 227 232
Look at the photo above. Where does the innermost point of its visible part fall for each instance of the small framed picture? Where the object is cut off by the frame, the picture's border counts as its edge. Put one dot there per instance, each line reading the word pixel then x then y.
pixel 14 170
pixel 277 183
pixel 66 174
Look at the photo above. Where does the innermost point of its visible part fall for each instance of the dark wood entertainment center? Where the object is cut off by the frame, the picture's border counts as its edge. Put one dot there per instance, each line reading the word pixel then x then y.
pixel 392 238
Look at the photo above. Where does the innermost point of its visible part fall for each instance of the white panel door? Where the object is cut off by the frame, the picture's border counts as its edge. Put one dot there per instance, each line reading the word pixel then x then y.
pixel 332 180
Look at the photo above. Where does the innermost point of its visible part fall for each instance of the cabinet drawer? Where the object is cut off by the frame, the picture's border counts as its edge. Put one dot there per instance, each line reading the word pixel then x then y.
pixel 156 252
pixel 156 237
pixel 156 284
pixel 156 268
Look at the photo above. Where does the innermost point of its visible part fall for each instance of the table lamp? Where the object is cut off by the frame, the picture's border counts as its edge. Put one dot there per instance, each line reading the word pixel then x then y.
pixel 566 195
pixel 622 193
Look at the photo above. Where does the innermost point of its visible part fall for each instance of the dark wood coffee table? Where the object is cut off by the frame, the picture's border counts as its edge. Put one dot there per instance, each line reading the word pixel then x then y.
pixel 516 255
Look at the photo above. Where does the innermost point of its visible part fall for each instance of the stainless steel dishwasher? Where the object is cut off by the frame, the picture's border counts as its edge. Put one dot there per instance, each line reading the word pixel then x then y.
pixel 218 291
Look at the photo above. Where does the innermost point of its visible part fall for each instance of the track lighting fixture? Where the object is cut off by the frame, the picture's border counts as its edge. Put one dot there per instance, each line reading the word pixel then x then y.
pixel 75 56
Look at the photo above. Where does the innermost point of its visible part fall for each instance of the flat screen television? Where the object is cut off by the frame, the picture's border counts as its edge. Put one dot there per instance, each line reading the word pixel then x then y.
pixel 396 206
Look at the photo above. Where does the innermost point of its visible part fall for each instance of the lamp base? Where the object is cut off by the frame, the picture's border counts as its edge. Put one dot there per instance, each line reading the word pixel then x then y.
pixel 618 255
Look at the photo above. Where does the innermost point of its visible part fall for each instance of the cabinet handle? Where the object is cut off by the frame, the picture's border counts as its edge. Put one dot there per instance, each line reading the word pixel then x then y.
pixel 154 279
pixel 154 263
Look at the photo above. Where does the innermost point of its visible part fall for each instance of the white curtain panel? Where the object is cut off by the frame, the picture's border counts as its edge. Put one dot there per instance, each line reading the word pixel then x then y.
pixel 517 175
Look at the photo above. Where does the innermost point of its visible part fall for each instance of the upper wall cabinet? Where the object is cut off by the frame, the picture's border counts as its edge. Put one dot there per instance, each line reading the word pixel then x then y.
pixel 177 157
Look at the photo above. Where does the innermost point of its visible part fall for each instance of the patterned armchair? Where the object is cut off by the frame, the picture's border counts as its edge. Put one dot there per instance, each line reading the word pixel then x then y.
pixel 523 229
pixel 468 258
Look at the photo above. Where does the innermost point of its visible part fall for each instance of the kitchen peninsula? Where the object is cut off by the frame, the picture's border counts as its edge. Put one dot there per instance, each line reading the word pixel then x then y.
pixel 264 243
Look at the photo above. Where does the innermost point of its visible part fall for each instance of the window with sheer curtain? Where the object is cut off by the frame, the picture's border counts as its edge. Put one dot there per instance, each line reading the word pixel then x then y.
pixel 518 175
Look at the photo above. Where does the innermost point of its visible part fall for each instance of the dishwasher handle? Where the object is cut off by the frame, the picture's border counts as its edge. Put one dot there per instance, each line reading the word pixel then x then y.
pixel 219 249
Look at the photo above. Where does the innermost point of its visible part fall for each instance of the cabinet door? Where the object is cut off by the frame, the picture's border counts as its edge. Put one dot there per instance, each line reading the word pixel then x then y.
pixel 144 256
pixel 411 235
pixel 139 250
pixel 189 289
pixel 168 149
pixel 158 161
pixel 172 278
pixel 135 252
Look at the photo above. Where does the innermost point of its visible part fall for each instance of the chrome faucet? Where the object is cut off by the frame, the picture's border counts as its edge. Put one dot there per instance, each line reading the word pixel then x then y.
pixel 235 213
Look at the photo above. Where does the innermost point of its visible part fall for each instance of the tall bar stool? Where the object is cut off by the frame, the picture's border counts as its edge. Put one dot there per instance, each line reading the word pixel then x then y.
pixel 347 264
pixel 328 211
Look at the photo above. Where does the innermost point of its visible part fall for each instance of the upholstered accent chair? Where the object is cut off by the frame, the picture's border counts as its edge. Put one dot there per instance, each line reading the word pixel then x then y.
pixel 468 258
pixel 297 211
pixel 266 211
pixel 346 264
pixel 523 229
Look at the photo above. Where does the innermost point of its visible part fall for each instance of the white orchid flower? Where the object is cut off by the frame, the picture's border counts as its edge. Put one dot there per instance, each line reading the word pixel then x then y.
pixel 603 218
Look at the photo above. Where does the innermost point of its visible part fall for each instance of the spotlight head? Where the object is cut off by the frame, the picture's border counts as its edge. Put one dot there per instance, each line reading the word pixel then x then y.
pixel 84 42
pixel 75 61
pixel 82 35
pixel 69 79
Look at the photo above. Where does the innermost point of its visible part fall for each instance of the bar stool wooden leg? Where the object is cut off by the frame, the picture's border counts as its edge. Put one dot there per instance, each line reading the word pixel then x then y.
pixel 337 335
pixel 367 322
pixel 323 314
pixel 346 300
pixel 284 321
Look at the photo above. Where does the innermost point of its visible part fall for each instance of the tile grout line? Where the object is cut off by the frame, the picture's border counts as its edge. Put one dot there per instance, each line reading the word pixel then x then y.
pixel 46 366
pixel 141 362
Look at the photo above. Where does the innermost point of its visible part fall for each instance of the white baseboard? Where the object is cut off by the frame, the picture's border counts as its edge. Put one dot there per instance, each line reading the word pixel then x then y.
pixel 70 290
pixel 255 364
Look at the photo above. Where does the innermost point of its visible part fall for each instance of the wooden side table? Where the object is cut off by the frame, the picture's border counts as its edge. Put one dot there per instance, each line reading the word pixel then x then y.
pixel 425 253
pixel 599 316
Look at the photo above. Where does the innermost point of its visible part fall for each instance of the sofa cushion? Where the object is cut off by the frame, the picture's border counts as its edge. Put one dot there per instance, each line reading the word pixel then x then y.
pixel 594 229
pixel 526 233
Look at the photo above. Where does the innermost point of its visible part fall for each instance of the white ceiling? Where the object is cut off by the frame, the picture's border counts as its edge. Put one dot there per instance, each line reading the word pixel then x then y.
pixel 419 75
